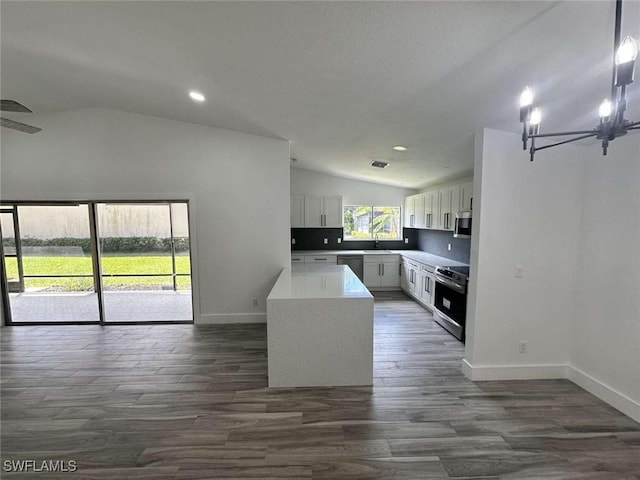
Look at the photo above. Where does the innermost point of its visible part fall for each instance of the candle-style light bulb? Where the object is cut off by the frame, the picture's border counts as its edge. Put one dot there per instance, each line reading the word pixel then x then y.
pixel 627 51
pixel 536 117
pixel 605 108
pixel 526 97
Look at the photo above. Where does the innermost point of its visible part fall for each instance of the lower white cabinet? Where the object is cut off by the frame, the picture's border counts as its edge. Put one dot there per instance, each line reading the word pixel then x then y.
pixel 411 276
pixel 427 282
pixel 381 271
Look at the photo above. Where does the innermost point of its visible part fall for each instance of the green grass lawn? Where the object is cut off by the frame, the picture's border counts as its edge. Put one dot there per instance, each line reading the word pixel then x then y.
pixel 117 264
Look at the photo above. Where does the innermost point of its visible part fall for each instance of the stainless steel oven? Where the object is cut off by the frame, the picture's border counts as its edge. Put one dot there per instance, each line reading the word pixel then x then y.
pixel 450 299
pixel 462 227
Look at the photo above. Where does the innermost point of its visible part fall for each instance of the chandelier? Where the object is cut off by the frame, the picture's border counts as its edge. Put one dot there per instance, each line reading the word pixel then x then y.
pixel 613 123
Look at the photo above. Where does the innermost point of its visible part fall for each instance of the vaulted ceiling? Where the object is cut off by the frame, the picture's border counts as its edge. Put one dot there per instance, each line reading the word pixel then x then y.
pixel 342 81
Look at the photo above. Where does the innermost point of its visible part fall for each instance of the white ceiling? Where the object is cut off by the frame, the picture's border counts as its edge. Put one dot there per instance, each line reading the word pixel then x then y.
pixel 343 81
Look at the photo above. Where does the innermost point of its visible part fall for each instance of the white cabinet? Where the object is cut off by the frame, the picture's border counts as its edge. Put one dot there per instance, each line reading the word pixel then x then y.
pixel 466 196
pixel 436 209
pixel 414 211
pixel 431 208
pixel 410 273
pixel 427 280
pixel 316 211
pixel 449 199
pixel 329 259
pixel 381 271
pixel 297 211
pixel 332 211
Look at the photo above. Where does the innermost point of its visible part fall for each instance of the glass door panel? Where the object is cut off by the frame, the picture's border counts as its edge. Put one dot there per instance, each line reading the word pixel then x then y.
pixel 54 249
pixel 139 262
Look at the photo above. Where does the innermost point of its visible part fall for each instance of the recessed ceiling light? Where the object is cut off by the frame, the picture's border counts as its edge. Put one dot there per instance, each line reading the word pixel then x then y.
pixel 196 96
pixel 399 148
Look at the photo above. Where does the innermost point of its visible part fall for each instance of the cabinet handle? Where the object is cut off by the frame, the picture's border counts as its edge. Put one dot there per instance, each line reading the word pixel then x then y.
pixel 382 265
pixel 400 269
pixel 320 259
pixel 378 269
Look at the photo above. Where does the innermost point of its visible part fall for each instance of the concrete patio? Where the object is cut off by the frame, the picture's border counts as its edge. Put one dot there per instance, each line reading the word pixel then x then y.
pixel 129 306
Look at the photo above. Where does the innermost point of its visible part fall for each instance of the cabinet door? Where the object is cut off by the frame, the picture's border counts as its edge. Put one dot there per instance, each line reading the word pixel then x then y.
pixel 454 196
pixel 413 279
pixel 426 289
pixel 404 276
pixel 332 211
pixel 444 209
pixel 313 212
pixel 466 196
pixel 409 211
pixel 372 274
pixel 419 211
pixel 297 211
pixel 431 209
pixel 390 274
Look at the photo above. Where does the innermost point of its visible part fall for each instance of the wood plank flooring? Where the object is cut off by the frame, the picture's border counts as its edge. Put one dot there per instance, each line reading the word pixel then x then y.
pixel 191 402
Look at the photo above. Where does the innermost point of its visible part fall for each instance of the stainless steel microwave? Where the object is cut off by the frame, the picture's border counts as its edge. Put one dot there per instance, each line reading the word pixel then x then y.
pixel 462 228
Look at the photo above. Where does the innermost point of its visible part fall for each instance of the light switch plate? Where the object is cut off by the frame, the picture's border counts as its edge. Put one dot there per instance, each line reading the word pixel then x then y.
pixel 293 241
pixel 339 240
pixel 406 240
pixel 326 241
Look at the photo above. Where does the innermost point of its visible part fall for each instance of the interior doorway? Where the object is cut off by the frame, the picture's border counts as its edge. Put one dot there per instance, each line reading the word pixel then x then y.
pixel 96 262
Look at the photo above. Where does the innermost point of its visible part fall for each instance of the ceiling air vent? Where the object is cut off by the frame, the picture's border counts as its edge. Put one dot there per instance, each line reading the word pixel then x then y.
pixel 378 164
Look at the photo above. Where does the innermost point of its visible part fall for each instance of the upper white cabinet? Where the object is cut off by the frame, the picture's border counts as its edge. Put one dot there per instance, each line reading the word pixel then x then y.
pixel 449 206
pixel 437 208
pixel 316 211
pixel 297 211
pixel 466 196
pixel 414 211
pixel 431 208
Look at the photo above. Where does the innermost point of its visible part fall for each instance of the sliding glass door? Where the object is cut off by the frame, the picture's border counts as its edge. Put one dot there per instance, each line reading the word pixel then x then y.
pixel 97 262
pixel 144 258
pixel 48 263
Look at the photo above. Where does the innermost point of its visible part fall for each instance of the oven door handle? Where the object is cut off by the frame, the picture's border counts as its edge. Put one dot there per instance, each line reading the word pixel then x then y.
pixel 450 284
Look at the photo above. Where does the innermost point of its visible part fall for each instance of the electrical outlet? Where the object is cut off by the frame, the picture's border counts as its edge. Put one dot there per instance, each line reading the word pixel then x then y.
pixel 293 241
pixel 254 302
pixel 406 240
pixel 523 346
pixel 326 241
pixel 339 240
pixel 449 247
pixel 519 271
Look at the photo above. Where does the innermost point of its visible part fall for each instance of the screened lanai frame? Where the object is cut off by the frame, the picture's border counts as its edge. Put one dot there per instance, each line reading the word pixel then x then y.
pixel 7 206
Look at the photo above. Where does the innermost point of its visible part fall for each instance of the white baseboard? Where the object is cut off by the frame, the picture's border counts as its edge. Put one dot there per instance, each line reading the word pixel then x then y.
pixel 617 400
pixel 513 372
pixel 217 318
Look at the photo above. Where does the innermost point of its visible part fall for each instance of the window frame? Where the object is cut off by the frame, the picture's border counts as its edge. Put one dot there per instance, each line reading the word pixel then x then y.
pixel 372 238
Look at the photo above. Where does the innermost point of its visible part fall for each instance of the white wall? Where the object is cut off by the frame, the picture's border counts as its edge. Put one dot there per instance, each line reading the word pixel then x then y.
pixel 606 327
pixel 238 186
pixel 572 219
pixel 525 214
pixel 354 192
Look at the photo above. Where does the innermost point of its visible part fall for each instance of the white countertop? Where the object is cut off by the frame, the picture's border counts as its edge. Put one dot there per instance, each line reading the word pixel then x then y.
pixel 318 281
pixel 417 255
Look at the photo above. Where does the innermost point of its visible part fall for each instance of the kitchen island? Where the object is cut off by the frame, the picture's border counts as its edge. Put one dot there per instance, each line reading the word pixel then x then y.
pixel 319 328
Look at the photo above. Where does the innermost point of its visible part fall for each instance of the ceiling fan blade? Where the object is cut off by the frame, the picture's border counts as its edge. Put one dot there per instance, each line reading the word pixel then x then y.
pixel 21 127
pixel 13 106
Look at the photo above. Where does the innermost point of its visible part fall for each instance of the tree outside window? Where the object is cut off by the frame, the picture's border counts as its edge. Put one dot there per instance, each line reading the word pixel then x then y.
pixel 364 222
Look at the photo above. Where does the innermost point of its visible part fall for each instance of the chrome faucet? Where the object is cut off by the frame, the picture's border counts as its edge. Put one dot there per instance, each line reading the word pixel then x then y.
pixel 376 241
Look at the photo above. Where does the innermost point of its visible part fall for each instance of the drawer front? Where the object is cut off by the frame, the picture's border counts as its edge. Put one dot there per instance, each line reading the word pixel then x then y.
pixel 391 258
pixel 297 259
pixel 372 259
pixel 329 259
pixel 427 268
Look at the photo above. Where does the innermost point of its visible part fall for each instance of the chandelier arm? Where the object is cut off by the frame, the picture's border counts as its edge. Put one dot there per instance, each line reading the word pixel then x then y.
pixel 634 128
pixel 582 137
pixel 564 134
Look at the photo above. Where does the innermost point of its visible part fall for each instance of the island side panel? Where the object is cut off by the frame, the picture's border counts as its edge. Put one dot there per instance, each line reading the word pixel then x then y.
pixel 320 342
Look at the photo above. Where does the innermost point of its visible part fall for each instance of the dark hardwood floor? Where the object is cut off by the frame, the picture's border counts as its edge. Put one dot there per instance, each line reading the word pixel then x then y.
pixel 191 402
